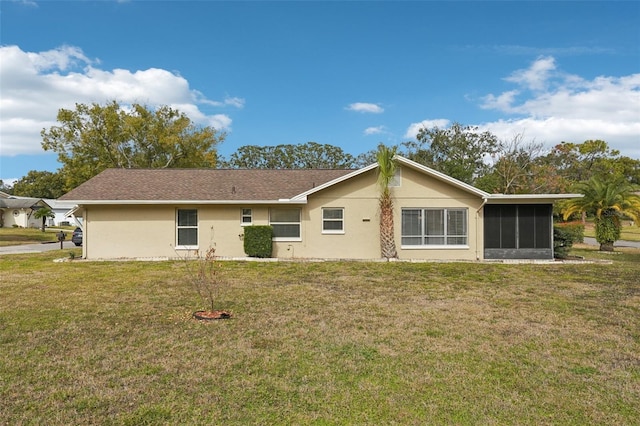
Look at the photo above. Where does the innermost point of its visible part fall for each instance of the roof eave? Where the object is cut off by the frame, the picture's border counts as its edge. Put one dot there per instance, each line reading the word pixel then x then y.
pixel 183 202
pixel 528 198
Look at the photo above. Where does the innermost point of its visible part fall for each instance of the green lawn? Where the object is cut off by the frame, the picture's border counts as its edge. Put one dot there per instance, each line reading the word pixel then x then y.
pixel 321 343
pixel 18 236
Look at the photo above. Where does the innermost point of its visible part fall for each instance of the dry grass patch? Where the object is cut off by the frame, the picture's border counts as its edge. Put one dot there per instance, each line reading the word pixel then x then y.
pixel 326 343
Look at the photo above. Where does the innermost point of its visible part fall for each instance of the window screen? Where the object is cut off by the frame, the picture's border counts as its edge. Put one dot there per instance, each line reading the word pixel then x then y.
pixel 425 227
pixel 285 223
pixel 187 228
pixel 332 220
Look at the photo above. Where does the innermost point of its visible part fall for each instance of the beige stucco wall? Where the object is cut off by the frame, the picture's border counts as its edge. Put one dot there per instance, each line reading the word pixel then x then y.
pixel 359 198
pixel 146 231
pixel 150 230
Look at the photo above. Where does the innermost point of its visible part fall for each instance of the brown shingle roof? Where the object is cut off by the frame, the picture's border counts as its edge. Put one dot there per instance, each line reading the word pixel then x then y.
pixel 201 184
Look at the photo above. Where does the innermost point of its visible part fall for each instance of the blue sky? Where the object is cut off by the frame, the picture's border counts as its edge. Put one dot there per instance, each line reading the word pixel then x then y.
pixel 351 74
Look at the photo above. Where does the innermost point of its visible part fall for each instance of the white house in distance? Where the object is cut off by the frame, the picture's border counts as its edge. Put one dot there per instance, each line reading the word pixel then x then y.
pixel 314 213
pixel 19 211
pixel 60 210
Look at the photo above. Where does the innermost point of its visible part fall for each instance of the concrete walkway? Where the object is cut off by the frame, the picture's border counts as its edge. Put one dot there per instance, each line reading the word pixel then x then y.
pixel 619 243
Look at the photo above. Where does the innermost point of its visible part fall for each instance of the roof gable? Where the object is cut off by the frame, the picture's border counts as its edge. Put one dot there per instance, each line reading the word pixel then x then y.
pixel 402 161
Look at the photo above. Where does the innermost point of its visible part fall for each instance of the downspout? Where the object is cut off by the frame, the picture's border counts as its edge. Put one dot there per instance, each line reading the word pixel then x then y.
pixel 484 201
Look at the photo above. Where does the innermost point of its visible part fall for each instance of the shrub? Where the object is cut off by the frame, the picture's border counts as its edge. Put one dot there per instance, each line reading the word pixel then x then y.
pixel 563 239
pixel 257 241
pixel 575 229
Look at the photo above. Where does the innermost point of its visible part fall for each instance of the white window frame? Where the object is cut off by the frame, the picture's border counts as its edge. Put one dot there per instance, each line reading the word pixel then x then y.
pixel 298 223
pixel 179 227
pixel 423 233
pixel 244 215
pixel 333 220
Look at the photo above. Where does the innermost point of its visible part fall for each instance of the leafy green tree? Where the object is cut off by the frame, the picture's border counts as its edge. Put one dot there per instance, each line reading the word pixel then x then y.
pixel 43 213
pixel 458 151
pixel 608 201
pixel 7 189
pixel 40 184
pixel 95 137
pixel 627 168
pixel 514 170
pixel 386 172
pixel 568 163
pixel 366 158
pixel 310 155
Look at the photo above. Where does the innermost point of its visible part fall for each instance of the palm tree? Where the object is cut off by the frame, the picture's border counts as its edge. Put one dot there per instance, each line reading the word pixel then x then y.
pixel 609 201
pixel 386 172
pixel 43 213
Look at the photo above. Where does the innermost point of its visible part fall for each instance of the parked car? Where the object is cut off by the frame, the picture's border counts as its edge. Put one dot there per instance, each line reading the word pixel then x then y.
pixel 76 238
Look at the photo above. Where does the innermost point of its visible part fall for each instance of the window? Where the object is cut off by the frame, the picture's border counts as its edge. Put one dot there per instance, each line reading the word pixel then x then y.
pixel 333 221
pixel 285 223
pixel 434 227
pixel 246 218
pixel 187 228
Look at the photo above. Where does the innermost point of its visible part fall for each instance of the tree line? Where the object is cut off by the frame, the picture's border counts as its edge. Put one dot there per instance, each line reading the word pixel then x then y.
pixel 92 138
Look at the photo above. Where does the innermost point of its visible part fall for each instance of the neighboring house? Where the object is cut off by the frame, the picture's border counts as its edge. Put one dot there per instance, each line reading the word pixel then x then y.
pixel 19 211
pixel 332 214
pixel 60 210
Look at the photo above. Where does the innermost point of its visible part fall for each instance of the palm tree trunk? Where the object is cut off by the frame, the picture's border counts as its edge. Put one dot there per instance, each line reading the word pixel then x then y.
pixel 387 237
pixel 608 246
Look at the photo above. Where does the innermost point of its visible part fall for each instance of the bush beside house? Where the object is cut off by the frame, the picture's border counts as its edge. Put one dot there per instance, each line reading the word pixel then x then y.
pixel 258 241
pixel 564 236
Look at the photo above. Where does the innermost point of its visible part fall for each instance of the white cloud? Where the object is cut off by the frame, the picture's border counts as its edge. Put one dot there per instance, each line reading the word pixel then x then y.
pixel 365 108
pixel 35 85
pixel 550 106
pixel 414 128
pixel 374 130
pixel 553 106
pixel 536 76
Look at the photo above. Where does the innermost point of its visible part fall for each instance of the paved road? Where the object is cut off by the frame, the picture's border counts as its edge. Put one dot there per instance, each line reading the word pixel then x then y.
pixel 593 242
pixel 35 248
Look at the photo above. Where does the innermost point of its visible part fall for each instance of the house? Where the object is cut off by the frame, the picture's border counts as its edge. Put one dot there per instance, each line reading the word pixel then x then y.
pixel 146 213
pixel 19 211
pixel 60 210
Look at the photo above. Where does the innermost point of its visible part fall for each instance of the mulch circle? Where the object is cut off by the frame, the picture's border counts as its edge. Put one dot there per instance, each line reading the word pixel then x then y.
pixel 211 315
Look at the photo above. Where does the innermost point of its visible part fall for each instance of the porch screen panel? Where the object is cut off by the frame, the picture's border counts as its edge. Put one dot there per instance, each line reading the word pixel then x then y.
pixel 492 226
pixel 527 226
pixel 508 226
pixel 543 226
